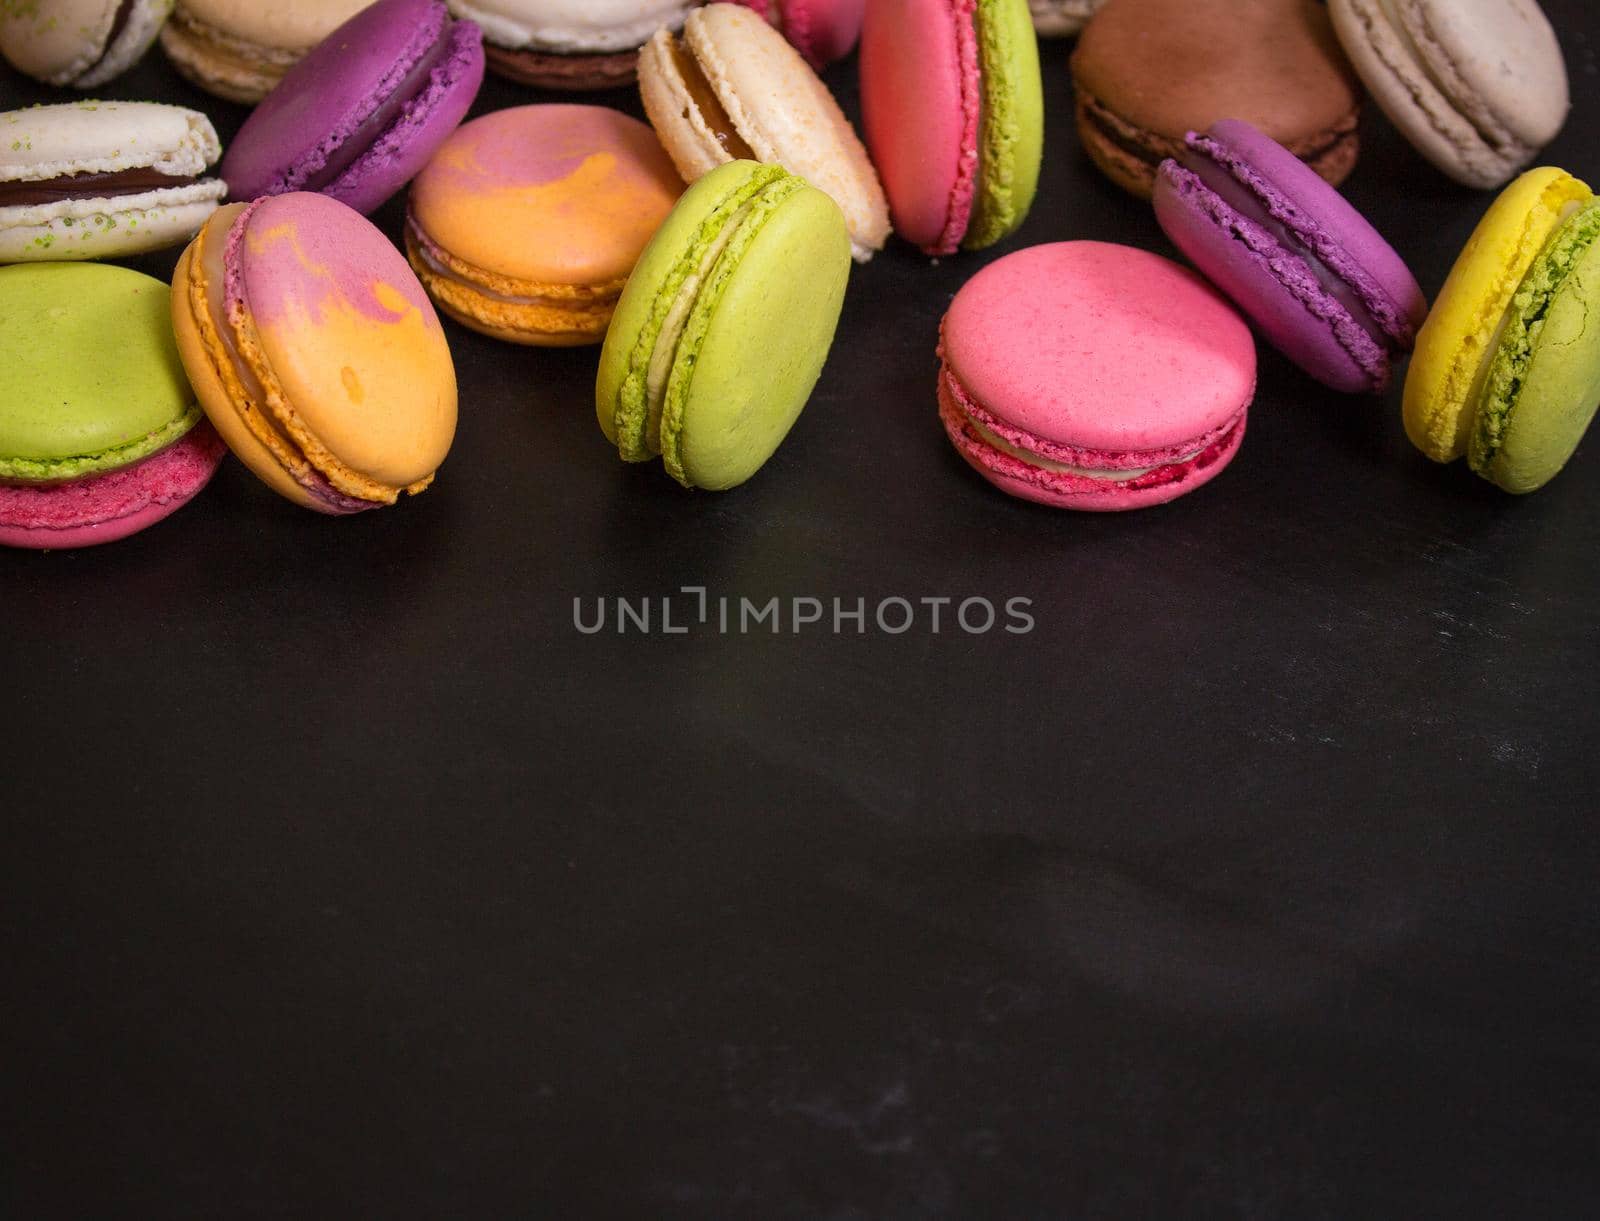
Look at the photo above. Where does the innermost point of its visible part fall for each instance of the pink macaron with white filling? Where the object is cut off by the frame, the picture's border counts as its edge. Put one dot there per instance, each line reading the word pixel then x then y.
pixel 1091 376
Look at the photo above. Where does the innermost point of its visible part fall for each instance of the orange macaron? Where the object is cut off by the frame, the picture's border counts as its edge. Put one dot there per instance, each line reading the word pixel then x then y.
pixel 526 223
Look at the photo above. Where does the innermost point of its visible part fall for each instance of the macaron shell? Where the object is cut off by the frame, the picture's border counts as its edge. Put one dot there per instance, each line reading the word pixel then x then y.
pixel 1542 391
pixel 1273 63
pixel 1011 133
pixel 145 20
pixel 1061 18
pixel 108 508
pixel 1387 59
pixel 765 345
pixel 1500 60
pixel 1466 315
pixel 1100 347
pixel 920 104
pixel 1271 283
pixel 573 27
pixel 202 361
pixel 325 100
pixel 349 336
pixel 787 116
pixel 1325 220
pixel 90 378
pixel 679 242
pixel 44 142
pixel 56 42
pixel 559 194
pixel 117 228
pixel 1084 494
pixel 287 25
pixel 239 49
pixel 821 30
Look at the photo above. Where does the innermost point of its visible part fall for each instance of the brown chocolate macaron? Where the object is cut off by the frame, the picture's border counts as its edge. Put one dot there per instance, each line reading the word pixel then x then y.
pixel 1147 72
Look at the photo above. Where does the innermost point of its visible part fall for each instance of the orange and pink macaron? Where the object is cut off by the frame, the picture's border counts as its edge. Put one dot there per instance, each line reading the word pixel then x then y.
pixel 315 352
pixel 526 223
pixel 1084 375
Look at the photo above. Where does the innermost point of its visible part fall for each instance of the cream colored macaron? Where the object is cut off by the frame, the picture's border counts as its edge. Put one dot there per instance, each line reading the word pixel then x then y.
pixel 732 88
pixel 240 49
pixel 81 43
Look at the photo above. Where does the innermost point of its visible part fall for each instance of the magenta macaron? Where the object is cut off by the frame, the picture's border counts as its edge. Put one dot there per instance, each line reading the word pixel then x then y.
pixel 1317 278
pixel 821 30
pixel 1091 376
pixel 359 117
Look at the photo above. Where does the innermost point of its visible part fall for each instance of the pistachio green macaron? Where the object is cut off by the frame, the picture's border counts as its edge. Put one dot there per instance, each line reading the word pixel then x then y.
pixel 725 325
pixel 90 379
pixel 1507 370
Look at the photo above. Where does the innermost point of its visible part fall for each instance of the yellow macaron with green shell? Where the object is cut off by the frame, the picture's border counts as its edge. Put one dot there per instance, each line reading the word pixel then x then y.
pixel 1503 373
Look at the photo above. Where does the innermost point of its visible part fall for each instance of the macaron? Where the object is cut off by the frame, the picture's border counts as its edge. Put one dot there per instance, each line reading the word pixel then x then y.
pixel 1478 86
pixel 79 43
pixel 1084 375
pixel 358 117
pixel 100 436
pixel 241 49
pixel 315 352
pixel 1507 369
pixel 1061 18
pixel 570 44
pixel 1148 72
pixel 719 340
pixel 823 31
pixel 1294 255
pixel 103 180
pixel 732 88
pixel 953 111
pixel 527 222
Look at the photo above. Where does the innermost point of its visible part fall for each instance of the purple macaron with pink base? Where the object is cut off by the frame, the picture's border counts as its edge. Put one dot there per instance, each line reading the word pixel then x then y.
pixel 1314 275
pixel 360 116
pixel 1091 376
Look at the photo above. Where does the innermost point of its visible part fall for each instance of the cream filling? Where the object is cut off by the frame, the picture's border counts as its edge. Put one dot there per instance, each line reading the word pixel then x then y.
pixel 574 27
pixel 658 374
pixel 1062 468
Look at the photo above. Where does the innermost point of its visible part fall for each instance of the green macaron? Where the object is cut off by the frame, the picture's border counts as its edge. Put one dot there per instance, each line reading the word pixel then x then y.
pixel 1543 384
pixel 724 326
pixel 90 379
pixel 1011 124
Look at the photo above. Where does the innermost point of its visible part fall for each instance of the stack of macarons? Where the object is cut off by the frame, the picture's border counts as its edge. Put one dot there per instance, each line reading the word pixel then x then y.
pixel 100 435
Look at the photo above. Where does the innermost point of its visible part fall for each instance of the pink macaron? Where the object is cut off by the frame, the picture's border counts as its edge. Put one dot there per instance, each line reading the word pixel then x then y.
pixel 821 30
pixel 1091 376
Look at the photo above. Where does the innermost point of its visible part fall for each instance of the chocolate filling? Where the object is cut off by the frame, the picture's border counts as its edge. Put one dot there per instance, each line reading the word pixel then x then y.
pixel 380 120
pixel 118 24
pixel 554 70
pixel 88 186
pixel 709 105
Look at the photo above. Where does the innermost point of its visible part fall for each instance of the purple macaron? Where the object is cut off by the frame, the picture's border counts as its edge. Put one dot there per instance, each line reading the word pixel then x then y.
pixel 1318 280
pixel 361 115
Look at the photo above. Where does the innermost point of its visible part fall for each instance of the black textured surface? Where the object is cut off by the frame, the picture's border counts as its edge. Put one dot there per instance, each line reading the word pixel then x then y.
pixel 346 878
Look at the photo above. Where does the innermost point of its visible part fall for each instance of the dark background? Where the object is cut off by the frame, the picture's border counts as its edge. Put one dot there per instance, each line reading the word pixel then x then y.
pixel 346 878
